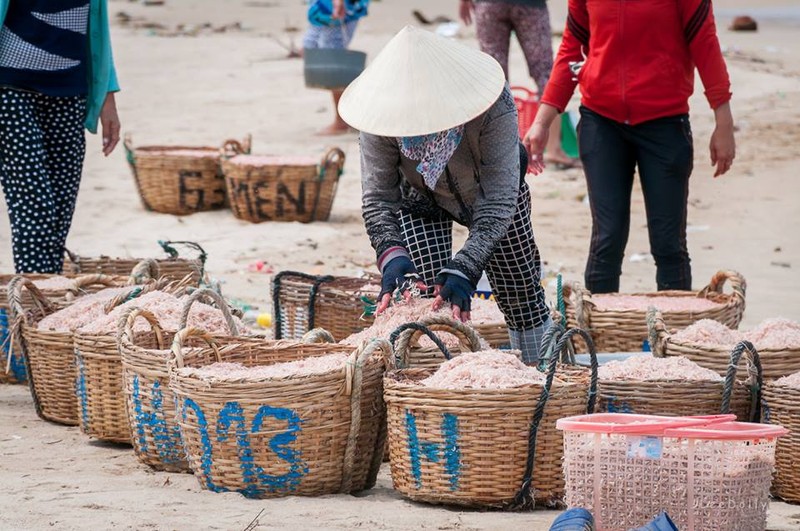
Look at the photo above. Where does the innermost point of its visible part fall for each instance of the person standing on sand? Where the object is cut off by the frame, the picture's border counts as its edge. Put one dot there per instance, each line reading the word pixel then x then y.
pixel 635 65
pixel 57 77
pixel 333 23
pixel 440 143
pixel 530 22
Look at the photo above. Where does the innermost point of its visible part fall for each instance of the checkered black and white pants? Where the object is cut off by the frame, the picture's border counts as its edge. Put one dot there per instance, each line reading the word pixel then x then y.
pixel 514 270
pixel 42 146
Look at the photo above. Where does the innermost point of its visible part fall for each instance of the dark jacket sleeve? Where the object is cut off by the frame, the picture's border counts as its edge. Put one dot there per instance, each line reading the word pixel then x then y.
pixel 496 202
pixel 380 191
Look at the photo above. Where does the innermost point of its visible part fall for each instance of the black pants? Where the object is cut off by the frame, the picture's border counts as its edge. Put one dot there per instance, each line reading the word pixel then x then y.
pixel 42 145
pixel 610 151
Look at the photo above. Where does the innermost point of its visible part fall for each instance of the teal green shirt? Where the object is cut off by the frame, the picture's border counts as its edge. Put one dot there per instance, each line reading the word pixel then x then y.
pixel 102 78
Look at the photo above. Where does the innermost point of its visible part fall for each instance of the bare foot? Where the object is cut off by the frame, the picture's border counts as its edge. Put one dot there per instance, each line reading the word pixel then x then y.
pixel 334 129
pixel 562 161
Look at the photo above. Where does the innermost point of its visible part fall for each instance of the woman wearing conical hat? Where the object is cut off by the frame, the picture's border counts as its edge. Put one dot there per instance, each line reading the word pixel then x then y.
pixel 439 144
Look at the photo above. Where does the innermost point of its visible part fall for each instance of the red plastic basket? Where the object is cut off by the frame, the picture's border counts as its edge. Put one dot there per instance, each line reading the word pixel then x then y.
pixel 527 102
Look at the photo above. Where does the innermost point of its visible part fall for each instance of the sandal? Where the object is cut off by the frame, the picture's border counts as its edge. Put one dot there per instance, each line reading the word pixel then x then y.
pixel 564 165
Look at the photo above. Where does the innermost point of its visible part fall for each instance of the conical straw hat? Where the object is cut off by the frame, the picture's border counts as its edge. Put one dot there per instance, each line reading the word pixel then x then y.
pixel 419 84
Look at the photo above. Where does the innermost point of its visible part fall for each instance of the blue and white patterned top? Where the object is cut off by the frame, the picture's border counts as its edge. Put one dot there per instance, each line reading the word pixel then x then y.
pixel 44 46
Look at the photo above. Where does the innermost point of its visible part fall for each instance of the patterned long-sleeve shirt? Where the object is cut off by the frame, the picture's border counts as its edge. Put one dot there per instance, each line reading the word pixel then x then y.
pixel 480 191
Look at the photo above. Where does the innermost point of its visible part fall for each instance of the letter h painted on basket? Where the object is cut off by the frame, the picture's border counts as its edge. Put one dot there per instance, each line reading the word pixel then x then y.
pixel 449 451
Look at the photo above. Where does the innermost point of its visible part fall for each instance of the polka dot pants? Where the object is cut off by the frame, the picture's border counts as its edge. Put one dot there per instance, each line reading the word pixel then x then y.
pixel 42 146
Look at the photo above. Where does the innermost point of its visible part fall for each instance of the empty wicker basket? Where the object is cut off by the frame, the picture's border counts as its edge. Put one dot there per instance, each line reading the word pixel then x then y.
pixel 267 188
pixel 181 180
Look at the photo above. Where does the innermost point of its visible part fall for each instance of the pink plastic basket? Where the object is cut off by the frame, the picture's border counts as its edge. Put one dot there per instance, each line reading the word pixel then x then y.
pixel 708 473
pixel 527 102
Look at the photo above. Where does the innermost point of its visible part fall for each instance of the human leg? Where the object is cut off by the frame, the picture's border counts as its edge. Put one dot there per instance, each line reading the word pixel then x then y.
pixel 608 163
pixel 32 209
pixel 493 29
pixel 665 154
pixel 514 271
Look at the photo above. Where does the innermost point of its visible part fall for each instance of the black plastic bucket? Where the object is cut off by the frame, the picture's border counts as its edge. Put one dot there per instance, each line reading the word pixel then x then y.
pixel 331 68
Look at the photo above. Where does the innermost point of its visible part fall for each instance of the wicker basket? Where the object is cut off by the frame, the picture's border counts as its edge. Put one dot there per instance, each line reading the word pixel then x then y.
pixel 48 356
pixel 782 406
pixel 181 180
pixel 409 353
pixel 306 435
pixel 100 387
pixel 283 188
pixel 626 330
pixel 149 402
pixel 495 334
pixel 174 267
pixel 679 398
pixel 339 305
pixel 776 362
pixel 480 447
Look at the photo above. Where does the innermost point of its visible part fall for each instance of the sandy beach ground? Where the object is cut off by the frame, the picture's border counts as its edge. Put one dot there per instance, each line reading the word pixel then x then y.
pixel 206 88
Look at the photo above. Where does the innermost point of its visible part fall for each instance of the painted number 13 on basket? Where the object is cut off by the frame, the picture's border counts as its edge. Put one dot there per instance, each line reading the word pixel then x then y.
pixel 231 423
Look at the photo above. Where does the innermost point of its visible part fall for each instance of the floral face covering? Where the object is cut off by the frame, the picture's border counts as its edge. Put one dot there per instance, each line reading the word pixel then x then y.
pixel 432 151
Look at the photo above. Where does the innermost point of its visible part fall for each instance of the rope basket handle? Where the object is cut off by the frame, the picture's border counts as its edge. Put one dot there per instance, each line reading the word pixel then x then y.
pixel 217 300
pixel 582 299
pixel 734 278
pixel 406 336
pixel 127 143
pixel 73 259
pixel 125 332
pixel 524 499
pixel 354 375
pixel 657 333
pixel 334 158
pixel 133 293
pixel 147 269
pixel 14 293
pixel 176 360
pixel 755 379
pixel 168 246
pixel 317 335
pixel 277 315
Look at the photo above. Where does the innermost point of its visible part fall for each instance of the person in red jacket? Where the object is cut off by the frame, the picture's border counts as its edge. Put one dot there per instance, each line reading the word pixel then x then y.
pixel 635 62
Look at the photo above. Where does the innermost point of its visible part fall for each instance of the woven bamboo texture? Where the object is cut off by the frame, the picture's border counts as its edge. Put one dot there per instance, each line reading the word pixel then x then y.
pixel 782 407
pixel 12 371
pixel 305 435
pixel 776 362
pixel 150 404
pixel 181 180
pixel 471 446
pixel 100 387
pixel 626 330
pixel 48 357
pixel 495 334
pixel 283 192
pixel 339 305
pixel 409 353
pixel 173 268
pixel 671 398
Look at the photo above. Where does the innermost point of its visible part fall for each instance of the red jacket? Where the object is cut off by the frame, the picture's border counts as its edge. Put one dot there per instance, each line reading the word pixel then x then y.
pixel 640 57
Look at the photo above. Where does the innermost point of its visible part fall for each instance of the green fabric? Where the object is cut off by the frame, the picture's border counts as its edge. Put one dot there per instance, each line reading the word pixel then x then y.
pixel 569 137
pixel 102 75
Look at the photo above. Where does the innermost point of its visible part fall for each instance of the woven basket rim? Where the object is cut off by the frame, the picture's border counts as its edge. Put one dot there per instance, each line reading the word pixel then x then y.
pixel 305 378
pixel 413 375
pixel 727 349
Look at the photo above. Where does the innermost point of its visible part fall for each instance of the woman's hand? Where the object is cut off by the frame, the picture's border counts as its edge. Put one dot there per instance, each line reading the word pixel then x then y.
pixel 109 122
pixel 536 138
pixel 338 9
pixel 722 145
pixel 457 291
pixel 400 273
pixel 465 10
